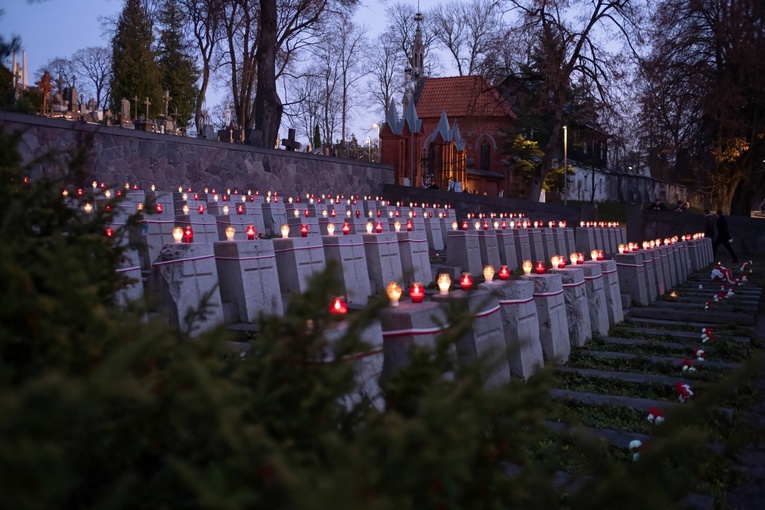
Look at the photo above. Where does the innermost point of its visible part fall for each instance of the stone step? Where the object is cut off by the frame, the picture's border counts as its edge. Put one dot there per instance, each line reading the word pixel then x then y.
pixel 660 359
pixel 710 316
pixel 618 438
pixel 685 334
pixel 724 306
pixel 630 377
pixel 649 343
pixel 663 322
pixel 642 404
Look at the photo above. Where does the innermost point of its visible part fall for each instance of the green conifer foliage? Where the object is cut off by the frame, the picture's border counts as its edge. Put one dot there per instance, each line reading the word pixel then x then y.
pixel 179 73
pixel 134 69
pixel 102 408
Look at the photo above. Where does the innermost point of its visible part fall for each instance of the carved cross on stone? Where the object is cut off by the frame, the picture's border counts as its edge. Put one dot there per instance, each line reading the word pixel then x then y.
pixel 147 103
pixel 166 100
pixel 289 143
pixel 135 106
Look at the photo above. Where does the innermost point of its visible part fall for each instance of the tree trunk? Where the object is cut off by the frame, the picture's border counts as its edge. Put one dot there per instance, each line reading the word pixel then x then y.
pixel 268 106
pixel 535 189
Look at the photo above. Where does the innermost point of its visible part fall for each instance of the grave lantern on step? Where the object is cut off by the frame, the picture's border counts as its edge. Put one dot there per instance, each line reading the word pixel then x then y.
pixel 330 229
pixel 601 255
pixel 240 209
pixel 303 230
pixel 338 306
pixel 188 234
pixel 416 292
pixel 324 213
pixel 540 267
pixel 594 254
pixel 230 232
pixel 504 273
pixel 250 231
pixel 285 230
pixel 621 248
pixel 378 227
pixel 409 226
pixel 358 213
pixel 201 209
pixel 466 281
pixel 225 210
pixel 477 225
pixel 486 225
pixel 370 227
pixel 333 214
pixel 496 225
pixel 178 234
pixel 503 224
pixel 465 225
pixel 455 226
pixel 397 226
pixel 88 208
pixel 185 209
pixel 307 213
pixel 646 246
pixel 488 273
pixel 562 224
pixel 159 208
pixel 379 213
pixel 444 284
pixel 346 229
pixel 109 232
pixel 527 267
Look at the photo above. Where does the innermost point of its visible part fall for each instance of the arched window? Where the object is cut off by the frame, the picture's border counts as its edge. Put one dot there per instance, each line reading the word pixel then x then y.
pixel 485 155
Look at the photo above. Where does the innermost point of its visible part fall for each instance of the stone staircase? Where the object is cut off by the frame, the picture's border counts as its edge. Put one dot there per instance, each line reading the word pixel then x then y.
pixel 636 367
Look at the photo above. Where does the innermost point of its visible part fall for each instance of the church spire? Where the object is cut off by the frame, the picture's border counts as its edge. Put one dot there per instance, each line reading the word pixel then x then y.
pixel 416 68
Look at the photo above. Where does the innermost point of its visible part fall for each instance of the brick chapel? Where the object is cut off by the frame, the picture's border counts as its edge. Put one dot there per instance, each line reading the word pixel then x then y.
pixel 451 133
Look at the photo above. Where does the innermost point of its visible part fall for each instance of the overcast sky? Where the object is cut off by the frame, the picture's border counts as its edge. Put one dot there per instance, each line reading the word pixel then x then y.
pixel 58 28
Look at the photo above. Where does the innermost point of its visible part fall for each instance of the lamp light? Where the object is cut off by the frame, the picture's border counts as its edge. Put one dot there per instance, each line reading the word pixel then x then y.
pixel 488 273
pixel 455 226
pixel 285 230
pixel 177 234
pixel 409 226
pixel 394 293
pixel 621 248
pixel 188 234
pixel 504 273
pixel 527 267
pixel 338 306
pixel 159 208
pixel 416 292
pixel 185 209
pixel 230 231
pixel 225 210
pixel 594 254
pixel 540 267
pixel 370 227
pixel 444 284
pixel 250 232
pixel 397 226
pixel 303 230
pixel 378 227
pixel 346 229
pixel 601 255
pixel 466 281
pixel 240 209
pixel 330 228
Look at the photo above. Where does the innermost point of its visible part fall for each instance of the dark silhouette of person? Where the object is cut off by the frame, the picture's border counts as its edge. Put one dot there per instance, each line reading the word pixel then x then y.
pixel 723 236
pixel 657 206
pixel 709 224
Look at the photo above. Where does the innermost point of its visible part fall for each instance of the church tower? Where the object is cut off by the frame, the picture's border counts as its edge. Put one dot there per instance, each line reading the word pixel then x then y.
pixel 416 68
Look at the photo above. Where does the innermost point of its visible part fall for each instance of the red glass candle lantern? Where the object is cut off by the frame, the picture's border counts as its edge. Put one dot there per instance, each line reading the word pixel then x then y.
pixel 379 213
pixel 201 209
pixel 579 258
pixel 416 292
pixel 504 273
pixel 561 262
pixel 346 229
pixel 338 306
pixel 159 208
pixel 378 227
pixel 465 225
pixel 240 209
pixel 250 232
pixel 109 232
pixel 252 198
pixel 225 198
pixel 601 255
pixel 304 230
pixel 503 225
pixel 466 282
pixel 562 224
pixel 358 214
pixel 409 226
pixel 540 267
pixel 188 234
pixel 332 213
pixel 486 225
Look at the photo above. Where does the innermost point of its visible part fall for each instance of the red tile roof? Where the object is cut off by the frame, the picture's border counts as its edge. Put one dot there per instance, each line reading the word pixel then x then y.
pixel 461 96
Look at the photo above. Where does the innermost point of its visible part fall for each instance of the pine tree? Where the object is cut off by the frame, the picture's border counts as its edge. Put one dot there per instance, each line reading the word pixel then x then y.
pixel 134 69
pixel 316 137
pixel 178 71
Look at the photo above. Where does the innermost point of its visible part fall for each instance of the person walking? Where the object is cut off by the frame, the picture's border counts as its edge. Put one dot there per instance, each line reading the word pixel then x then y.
pixel 723 236
pixel 709 224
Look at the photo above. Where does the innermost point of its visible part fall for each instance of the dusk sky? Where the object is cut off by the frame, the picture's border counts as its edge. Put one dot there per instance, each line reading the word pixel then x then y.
pixel 58 28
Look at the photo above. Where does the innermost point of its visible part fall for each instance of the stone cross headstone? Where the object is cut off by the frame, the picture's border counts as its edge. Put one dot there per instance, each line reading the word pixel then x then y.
pixel 147 103
pixel 289 143
pixel 165 101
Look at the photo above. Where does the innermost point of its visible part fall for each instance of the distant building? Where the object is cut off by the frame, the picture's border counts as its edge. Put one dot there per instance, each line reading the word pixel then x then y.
pixel 451 134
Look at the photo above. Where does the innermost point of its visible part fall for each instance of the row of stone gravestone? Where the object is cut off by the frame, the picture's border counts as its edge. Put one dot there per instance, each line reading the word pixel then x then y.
pixel 540 317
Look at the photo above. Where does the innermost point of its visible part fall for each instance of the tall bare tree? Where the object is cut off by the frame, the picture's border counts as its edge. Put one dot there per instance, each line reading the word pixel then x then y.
pixel 569 39
pixel 385 65
pixel 467 31
pixel 94 64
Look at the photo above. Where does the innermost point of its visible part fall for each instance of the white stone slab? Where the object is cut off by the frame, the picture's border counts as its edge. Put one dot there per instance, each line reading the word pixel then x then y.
pixel 348 252
pixel 575 297
pixel 551 310
pixel 383 260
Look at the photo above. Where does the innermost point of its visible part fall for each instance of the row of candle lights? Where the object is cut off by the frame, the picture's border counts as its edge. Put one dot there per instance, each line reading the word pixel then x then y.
pixel 485 225
pixel 600 224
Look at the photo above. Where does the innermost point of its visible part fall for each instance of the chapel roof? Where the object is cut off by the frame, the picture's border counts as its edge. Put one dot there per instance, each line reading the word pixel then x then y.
pixel 461 96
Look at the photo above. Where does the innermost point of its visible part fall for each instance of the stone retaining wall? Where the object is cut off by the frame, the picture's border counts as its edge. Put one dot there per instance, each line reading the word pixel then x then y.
pixel 121 155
